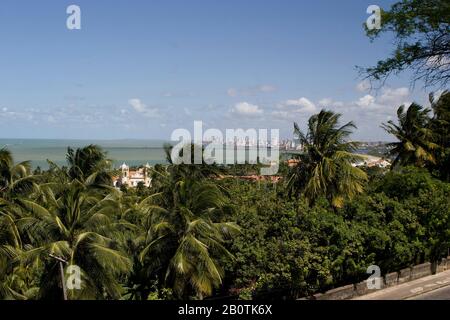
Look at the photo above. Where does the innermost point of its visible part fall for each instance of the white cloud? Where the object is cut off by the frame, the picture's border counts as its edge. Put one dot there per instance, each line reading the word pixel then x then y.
pixel 281 114
pixel 142 108
pixel 137 105
pixel 247 109
pixel 394 96
pixel 328 103
pixel 379 108
pixel 303 104
pixel 293 108
pixel 325 102
pixel 366 101
pixel 267 88
pixel 368 111
pixel 363 86
pixel 389 99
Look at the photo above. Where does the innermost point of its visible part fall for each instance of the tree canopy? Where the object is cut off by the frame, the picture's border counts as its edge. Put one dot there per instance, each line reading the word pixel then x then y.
pixel 422 42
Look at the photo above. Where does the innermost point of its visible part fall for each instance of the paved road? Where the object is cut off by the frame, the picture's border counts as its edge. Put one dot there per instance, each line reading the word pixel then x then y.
pixel 415 288
pixel 439 294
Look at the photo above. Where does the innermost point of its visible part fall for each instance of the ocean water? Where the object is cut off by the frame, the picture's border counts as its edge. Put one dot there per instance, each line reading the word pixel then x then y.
pixel 131 152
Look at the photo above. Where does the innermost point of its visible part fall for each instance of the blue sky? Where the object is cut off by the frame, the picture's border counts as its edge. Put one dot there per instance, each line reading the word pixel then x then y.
pixel 140 69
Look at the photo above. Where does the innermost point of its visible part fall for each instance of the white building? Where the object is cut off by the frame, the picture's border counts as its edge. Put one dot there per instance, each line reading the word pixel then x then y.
pixel 131 178
pixel 370 161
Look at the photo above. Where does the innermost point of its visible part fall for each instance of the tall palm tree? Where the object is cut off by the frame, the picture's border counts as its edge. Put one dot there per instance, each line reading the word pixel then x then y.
pixel 16 183
pixel 71 218
pixel 325 168
pixel 415 144
pixel 10 243
pixel 16 180
pixel 75 225
pixel 185 242
pixel 440 125
pixel 87 161
pixel 133 212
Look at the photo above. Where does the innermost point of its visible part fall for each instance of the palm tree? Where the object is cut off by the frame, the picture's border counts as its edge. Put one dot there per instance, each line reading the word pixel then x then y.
pixel 178 168
pixel 87 161
pixel 440 125
pixel 415 144
pixel 132 213
pixel 325 168
pixel 15 179
pixel 17 281
pixel 185 241
pixel 72 219
pixel 77 226
pixel 16 183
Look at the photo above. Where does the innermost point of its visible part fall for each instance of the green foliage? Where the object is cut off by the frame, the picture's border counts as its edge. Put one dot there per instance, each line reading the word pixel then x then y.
pixel 185 240
pixel 415 144
pixel 272 255
pixel 421 29
pixel 440 126
pixel 297 250
pixel 423 141
pixel 325 168
pixel 89 161
pixel 428 198
pixel 197 233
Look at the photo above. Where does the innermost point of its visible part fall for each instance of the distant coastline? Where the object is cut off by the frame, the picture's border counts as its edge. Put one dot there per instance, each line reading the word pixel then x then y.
pixel 133 152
